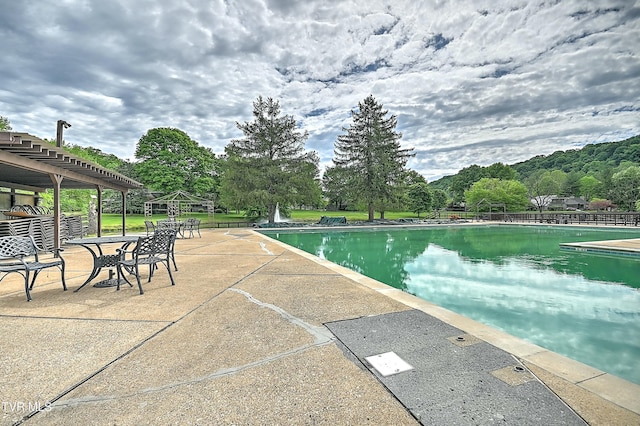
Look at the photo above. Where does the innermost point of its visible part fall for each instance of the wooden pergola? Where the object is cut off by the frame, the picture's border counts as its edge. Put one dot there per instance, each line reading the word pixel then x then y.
pixel 31 164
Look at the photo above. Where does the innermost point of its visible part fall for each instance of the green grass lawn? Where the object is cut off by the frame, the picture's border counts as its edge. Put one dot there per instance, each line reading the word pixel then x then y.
pixel 112 223
pixel 315 215
pixel 135 222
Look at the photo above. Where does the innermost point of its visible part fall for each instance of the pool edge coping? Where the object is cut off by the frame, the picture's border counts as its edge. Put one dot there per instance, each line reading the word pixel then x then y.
pixel 597 383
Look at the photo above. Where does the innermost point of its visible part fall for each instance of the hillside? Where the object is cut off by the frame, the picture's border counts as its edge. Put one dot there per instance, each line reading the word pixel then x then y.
pixel 590 159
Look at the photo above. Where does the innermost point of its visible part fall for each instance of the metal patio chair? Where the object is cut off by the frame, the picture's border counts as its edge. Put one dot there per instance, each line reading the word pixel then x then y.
pixel 21 255
pixel 151 250
pixel 165 233
pixel 151 228
pixel 192 225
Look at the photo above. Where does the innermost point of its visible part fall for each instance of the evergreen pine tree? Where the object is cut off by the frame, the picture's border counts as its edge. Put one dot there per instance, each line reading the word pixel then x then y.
pixel 270 165
pixel 370 149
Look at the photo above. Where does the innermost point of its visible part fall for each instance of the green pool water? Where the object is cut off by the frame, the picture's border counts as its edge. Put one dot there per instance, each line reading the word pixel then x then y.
pixel 514 278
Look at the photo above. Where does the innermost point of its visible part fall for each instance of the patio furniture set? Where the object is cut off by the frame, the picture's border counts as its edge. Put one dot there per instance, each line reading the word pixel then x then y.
pixel 22 255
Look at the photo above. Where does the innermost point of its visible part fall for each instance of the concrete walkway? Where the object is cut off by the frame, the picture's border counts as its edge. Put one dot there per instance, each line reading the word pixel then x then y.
pixel 256 332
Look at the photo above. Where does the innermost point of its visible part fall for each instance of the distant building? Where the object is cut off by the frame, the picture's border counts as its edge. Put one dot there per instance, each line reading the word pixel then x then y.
pixel 556 202
pixel 567 203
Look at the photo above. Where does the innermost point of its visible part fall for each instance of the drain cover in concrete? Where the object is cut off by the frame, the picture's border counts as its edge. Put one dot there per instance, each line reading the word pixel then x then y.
pixel 388 363
pixel 452 382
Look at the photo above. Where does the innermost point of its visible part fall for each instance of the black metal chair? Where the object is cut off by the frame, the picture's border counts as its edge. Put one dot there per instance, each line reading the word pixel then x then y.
pixel 151 228
pixel 151 250
pixel 164 233
pixel 23 256
pixel 190 225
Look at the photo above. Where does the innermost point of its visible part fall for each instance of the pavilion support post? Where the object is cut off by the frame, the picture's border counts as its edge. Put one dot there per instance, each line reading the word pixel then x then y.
pixel 57 180
pixel 124 212
pixel 99 211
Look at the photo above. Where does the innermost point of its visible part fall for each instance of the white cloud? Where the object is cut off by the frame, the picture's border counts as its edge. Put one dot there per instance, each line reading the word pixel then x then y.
pixel 471 83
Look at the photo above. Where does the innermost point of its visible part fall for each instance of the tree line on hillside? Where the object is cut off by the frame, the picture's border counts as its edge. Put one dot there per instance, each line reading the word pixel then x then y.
pixel 606 175
pixel 269 166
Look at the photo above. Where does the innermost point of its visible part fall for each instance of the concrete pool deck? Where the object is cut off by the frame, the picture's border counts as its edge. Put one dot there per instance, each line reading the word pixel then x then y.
pixel 629 247
pixel 258 332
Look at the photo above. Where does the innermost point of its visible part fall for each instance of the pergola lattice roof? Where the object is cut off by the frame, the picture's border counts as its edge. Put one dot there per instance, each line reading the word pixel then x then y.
pixel 31 164
pixel 28 162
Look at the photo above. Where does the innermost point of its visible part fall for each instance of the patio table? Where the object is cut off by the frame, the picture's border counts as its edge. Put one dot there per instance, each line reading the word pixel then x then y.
pixel 176 225
pixel 100 259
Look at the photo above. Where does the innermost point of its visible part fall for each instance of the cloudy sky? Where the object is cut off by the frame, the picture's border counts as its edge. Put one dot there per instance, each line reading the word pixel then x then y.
pixel 471 82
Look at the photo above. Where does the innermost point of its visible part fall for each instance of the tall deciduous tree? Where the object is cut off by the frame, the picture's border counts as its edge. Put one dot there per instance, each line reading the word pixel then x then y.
pixel 420 198
pixel 270 165
pixel 500 171
pixel 370 149
pixel 439 199
pixel 109 161
pixel 571 185
pixel 589 187
pixel 472 174
pixel 625 188
pixel 542 187
pixel 170 160
pixel 491 191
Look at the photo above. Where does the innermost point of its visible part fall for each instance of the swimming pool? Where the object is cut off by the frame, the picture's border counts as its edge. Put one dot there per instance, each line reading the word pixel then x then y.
pixel 514 278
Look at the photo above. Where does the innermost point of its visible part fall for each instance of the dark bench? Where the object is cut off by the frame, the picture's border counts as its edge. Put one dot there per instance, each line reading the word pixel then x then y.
pixel 21 255
pixel 332 220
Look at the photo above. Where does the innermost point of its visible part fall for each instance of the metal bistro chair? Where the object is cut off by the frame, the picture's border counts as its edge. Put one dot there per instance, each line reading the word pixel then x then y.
pixel 151 250
pixel 151 228
pixel 22 255
pixel 166 233
pixel 192 224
